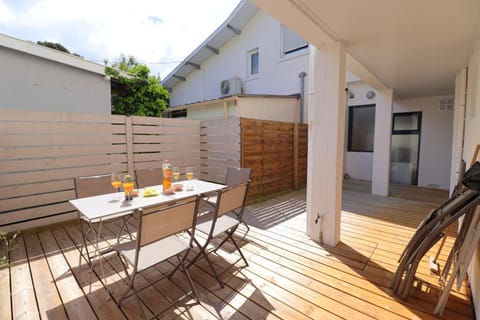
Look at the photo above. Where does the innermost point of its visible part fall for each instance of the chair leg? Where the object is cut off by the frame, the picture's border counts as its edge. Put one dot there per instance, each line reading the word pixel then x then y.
pixel 129 286
pixel 170 275
pixel 246 232
pixel 197 256
pixel 124 227
pixel 238 248
pixel 84 241
pixel 203 252
pixel 189 278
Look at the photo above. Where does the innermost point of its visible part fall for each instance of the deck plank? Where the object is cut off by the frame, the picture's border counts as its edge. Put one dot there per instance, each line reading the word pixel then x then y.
pixel 5 297
pixel 74 301
pixel 24 304
pixel 46 292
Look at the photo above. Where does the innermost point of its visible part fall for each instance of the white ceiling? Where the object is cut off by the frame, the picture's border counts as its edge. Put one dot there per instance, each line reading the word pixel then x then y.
pixel 413 46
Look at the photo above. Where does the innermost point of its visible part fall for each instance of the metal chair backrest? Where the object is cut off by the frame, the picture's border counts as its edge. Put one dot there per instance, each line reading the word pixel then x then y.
pixel 90 186
pixel 148 177
pixel 236 176
pixel 166 221
pixel 232 198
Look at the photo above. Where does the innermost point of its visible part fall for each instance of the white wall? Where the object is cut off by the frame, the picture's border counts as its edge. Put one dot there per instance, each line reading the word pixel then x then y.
pixel 436 140
pixel 33 83
pixel 435 145
pixel 277 75
pixel 255 107
pixel 472 138
pixel 211 111
pixel 357 164
pixel 269 108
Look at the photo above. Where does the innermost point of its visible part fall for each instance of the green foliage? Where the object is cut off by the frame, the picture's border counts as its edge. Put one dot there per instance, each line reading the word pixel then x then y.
pixel 134 92
pixel 56 46
pixel 53 45
pixel 6 244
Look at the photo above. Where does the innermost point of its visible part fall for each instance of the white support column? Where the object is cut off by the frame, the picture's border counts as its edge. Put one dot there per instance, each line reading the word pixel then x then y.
pixel 382 141
pixel 326 119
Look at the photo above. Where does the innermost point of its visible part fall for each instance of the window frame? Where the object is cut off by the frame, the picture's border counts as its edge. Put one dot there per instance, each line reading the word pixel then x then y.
pixel 250 55
pixel 418 129
pixel 351 110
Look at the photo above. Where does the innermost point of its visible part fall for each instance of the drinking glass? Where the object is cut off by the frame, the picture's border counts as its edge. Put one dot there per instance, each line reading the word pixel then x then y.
pixel 189 176
pixel 175 173
pixel 116 183
pixel 128 186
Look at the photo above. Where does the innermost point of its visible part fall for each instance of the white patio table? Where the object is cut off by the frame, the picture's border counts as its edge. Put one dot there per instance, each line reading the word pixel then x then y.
pixel 103 207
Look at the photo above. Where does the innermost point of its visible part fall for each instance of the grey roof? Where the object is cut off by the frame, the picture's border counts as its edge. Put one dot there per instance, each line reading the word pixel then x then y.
pixel 43 52
pixel 229 29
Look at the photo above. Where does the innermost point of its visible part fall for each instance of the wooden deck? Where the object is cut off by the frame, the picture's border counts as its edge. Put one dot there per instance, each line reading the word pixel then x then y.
pixel 289 277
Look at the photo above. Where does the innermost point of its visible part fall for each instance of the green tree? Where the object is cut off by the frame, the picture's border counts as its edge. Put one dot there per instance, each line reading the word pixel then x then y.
pixel 56 46
pixel 134 92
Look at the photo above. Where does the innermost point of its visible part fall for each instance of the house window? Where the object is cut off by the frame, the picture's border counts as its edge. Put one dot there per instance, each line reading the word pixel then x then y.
pixel 291 42
pixel 176 114
pixel 253 62
pixel 361 128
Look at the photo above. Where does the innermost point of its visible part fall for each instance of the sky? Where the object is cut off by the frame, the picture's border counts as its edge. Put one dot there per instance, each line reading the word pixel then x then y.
pixel 158 33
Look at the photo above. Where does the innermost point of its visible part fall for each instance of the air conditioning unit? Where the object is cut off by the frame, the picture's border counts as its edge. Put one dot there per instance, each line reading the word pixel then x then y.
pixel 231 86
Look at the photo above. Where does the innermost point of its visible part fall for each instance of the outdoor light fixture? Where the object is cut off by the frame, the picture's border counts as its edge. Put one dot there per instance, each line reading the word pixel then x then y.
pixel 370 94
pixel 350 94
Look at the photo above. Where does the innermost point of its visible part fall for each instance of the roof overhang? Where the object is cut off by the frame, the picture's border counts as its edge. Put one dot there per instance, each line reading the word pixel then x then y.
pixel 212 45
pixel 50 54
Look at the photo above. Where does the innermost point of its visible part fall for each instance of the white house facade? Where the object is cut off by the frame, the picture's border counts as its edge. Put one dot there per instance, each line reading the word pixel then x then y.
pixel 278 60
pixel 282 68
pixel 35 77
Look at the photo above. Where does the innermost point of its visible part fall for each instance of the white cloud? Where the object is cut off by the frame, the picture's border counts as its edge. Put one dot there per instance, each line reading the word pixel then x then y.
pixel 105 29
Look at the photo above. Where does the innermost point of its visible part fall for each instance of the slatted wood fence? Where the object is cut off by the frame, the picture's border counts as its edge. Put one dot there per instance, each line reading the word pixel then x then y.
pixel 277 153
pixel 220 144
pixel 41 153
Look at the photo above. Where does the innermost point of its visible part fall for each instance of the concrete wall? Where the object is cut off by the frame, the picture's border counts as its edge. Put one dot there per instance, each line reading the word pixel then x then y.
pixel 269 108
pixel 31 83
pixel 257 107
pixel 277 74
pixel 435 145
pixel 210 111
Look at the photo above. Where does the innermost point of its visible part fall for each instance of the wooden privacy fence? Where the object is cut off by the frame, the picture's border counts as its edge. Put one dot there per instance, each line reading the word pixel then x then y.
pixel 277 153
pixel 41 153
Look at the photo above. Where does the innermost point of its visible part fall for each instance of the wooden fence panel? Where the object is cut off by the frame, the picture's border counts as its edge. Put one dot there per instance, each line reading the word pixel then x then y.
pixel 220 148
pixel 159 139
pixel 276 152
pixel 266 149
pixel 41 153
pixel 302 155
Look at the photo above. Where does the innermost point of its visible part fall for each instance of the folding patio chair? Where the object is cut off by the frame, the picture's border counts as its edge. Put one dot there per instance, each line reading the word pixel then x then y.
pixel 89 186
pixel 148 177
pixel 218 224
pixel 158 239
pixel 233 177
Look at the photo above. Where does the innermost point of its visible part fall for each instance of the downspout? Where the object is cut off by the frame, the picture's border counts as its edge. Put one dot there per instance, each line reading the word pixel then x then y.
pixel 302 76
